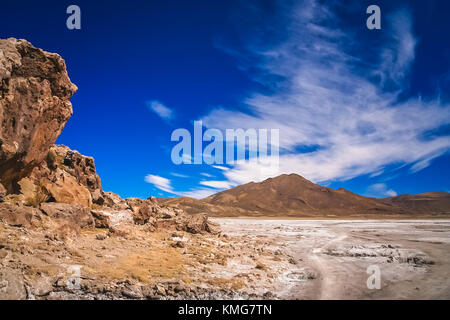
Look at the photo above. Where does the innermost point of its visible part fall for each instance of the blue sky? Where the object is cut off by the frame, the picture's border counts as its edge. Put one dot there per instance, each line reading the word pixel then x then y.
pixel 367 110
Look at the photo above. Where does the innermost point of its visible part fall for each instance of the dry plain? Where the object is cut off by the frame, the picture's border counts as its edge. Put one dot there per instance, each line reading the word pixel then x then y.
pixel 329 258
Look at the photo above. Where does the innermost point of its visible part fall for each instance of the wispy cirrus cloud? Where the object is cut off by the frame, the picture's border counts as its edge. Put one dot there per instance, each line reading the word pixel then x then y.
pixel 327 96
pixel 206 174
pixel 179 175
pixel 165 184
pixel 159 182
pixel 220 167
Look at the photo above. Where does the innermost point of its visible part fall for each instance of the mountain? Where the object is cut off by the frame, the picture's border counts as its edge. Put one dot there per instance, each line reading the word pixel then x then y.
pixel 294 196
pixel 429 202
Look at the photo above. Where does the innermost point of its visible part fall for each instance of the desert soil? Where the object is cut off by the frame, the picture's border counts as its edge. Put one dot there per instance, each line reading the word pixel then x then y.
pixel 329 259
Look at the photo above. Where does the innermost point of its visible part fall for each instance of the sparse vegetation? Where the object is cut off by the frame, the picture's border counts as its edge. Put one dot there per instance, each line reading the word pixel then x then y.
pixel 234 283
pixel 40 195
pixel 145 265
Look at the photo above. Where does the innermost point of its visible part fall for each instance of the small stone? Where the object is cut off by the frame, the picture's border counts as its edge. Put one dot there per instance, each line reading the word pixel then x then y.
pixel 101 236
pixel 132 293
pixel 160 290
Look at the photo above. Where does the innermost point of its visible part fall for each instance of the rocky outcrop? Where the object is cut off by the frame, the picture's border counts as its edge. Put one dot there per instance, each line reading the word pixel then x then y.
pixel 66 189
pixel 53 211
pixel 142 210
pixel 198 223
pixel 34 107
pixel 117 214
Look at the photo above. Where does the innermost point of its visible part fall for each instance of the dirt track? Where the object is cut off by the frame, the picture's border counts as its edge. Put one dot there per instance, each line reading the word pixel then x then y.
pixel 332 257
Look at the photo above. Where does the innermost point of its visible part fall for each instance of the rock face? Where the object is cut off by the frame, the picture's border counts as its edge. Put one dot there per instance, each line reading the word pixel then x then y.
pixel 74 214
pixel 34 107
pixel 68 177
pixel 78 165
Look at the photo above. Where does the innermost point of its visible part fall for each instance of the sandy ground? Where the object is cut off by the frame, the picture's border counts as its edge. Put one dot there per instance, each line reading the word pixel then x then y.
pixel 329 259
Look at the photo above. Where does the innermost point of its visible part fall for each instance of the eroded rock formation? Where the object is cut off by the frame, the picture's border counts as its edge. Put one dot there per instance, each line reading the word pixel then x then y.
pixel 69 177
pixel 51 196
pixel 34 107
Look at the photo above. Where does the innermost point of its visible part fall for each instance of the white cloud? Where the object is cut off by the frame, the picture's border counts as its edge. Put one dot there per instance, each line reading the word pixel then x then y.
pixel 221 168
pixel 164 184
pixel 160 109
pixel 380 190
pixel 217 184
pixel 206 174
pixel 398 55
pixel 329 99
pixel 179 175
pixel 159 182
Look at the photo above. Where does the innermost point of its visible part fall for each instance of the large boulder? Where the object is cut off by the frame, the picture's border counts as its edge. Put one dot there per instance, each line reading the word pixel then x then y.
pixel 66 189
pixel 114 201
pixel 80 166
pixel 101 219
pixel 70 213
pixel 34 107
pixel 199 223
pixel 143 210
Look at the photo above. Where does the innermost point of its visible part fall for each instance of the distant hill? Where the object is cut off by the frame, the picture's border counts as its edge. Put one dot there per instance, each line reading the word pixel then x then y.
pixel 294 196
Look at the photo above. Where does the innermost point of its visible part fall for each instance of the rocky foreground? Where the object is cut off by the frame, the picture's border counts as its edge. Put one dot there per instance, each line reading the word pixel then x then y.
pixel 63 237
